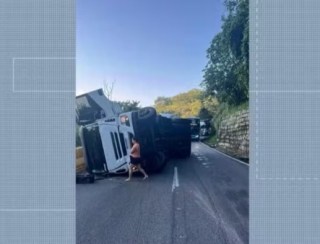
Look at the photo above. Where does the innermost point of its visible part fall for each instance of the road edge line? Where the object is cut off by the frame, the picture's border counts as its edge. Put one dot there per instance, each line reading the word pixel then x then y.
pixel 235 159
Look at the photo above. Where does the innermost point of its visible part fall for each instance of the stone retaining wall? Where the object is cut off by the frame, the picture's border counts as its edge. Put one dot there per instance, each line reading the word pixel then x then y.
pixel 233 135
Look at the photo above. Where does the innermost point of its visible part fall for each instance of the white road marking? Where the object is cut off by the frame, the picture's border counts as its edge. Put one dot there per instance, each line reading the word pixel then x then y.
pixel 175 182
pixel 36 210
pixel 234 159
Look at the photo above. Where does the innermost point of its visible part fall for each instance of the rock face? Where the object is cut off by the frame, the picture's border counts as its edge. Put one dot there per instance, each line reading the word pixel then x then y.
pixel 233 135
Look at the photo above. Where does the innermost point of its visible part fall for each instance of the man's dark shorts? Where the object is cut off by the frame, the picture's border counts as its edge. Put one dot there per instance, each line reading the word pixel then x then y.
pixel 135 161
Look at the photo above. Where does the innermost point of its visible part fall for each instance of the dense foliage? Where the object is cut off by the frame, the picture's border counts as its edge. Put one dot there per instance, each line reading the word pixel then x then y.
pixel 127 106
pixel 184 105
pixel 226 75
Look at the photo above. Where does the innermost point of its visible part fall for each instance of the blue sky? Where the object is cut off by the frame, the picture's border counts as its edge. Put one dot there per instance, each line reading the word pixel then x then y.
pixel 149 48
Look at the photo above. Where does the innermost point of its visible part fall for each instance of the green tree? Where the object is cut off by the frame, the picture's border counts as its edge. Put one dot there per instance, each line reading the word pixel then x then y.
pixel 211 104
pixel 187 104
pixel 226 75
pixel 129 105
pixel 204 114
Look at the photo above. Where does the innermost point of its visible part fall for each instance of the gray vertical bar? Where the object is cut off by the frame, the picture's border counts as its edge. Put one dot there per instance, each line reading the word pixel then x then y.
pixel 37 121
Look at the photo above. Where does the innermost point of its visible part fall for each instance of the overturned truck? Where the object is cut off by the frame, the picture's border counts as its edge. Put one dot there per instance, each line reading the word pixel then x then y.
pixel 106 136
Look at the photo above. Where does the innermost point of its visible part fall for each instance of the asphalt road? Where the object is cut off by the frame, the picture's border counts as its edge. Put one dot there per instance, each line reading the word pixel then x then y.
pixel 203 199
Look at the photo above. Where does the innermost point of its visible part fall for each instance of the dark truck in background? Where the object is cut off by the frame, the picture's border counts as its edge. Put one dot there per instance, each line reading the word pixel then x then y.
pixel 195 128
pixel 106 136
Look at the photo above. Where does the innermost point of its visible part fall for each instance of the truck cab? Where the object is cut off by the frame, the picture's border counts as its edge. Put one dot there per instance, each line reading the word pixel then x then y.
pixel 107 142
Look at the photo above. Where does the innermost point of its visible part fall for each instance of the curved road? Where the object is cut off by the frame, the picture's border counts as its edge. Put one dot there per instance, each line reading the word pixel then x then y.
pixel 203 199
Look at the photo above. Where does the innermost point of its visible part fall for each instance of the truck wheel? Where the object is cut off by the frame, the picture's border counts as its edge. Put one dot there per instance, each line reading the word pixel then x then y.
pixel 155 163
pixel 187 153
pixel 146 113
pixel 160 158
pixel 91 179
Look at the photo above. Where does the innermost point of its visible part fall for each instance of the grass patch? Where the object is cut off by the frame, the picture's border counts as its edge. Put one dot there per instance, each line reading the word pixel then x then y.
pixel 233 109
pixel 211 141
pixel 225 110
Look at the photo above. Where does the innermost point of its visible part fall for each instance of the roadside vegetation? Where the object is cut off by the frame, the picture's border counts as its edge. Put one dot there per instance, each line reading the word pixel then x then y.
pixel 129 105
pixel 226 75
pixel 187 104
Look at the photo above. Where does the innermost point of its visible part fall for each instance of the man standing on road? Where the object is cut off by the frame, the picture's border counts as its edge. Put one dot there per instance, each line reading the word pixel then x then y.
pixel 135 159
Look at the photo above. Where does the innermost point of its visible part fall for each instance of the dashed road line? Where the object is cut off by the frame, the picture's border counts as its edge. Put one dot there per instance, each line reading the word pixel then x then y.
pixel 175 182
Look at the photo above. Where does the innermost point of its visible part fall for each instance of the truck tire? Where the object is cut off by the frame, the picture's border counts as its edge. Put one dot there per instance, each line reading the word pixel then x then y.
pixel 146 113
pixel 155 163
pixel 186 153
pixel 161 160
pixel 91 179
